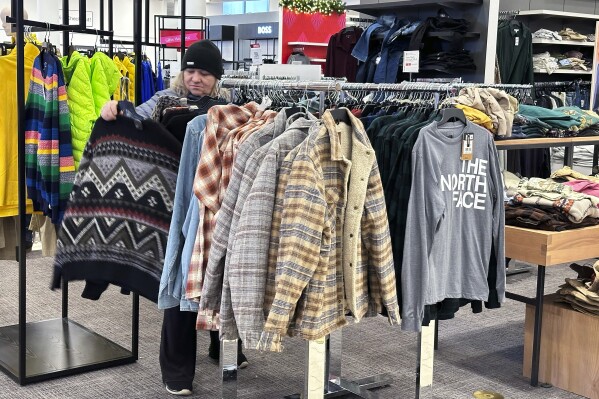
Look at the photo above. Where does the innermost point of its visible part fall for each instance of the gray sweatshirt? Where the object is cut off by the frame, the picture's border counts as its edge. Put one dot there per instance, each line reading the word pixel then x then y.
pixel 455 218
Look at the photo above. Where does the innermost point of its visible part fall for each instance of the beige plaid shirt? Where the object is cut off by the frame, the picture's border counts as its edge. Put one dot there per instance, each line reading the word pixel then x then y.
pixel 333 238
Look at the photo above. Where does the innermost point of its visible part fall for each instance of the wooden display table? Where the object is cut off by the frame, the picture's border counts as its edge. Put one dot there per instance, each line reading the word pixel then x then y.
pixel 546 248
pixel 570 356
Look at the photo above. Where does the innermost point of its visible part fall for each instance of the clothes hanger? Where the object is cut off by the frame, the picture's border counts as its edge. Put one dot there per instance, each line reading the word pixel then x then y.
pixel 452 113
pixel 128 110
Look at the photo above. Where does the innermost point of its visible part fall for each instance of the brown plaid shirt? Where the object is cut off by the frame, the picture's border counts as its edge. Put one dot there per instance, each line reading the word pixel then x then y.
pixel 333 238
pixel 225 124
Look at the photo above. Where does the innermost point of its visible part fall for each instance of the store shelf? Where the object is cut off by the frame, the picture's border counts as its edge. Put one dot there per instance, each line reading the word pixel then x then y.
pixel 318 60
pixel 515 144
pixel 450 35
pixel 311 44
pixel 563 42
pixel 561 14
pixel 381 6
pixel 564 72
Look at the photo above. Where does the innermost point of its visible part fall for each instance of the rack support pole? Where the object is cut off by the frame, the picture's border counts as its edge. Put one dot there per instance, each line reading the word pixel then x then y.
pixel 20 39
pixel 110 28
pixel 183 16
pixel 228 366
pixel 65 21
pixel 426 354
pixel 82 14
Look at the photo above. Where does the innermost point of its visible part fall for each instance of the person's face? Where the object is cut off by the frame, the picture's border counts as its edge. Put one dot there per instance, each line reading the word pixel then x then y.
pixel 198 81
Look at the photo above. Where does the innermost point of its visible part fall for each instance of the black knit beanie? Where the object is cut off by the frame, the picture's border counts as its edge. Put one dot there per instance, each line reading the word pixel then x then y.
pixel 204 55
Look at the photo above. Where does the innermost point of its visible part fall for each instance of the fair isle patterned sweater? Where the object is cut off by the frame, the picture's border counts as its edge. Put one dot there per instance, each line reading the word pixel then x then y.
pixel 49 165
pixel 117 221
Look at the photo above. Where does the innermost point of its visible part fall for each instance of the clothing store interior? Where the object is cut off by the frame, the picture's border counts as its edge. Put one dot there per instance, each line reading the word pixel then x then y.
pixel 416 183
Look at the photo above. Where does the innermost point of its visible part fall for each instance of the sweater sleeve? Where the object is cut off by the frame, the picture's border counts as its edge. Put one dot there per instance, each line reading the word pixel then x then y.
pixel 425 211
pixel 498 219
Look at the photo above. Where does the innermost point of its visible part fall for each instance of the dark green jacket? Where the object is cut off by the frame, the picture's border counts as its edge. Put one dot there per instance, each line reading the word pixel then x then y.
pixel 514 53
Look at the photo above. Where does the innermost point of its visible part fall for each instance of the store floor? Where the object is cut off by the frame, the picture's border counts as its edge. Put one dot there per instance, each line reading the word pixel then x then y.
pixel 482 351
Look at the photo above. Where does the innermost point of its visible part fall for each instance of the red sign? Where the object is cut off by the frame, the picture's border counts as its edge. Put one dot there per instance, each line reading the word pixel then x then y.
pixel 172 37
pixel 313 30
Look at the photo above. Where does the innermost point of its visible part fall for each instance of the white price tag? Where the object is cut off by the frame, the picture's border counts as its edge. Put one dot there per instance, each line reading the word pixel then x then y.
pixel 256 53
pixel 411 61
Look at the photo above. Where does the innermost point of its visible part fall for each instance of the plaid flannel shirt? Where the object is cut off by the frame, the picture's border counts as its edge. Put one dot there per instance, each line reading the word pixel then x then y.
pixel 335 245
pixel 245 266
pixel 213 168
pixel 228 215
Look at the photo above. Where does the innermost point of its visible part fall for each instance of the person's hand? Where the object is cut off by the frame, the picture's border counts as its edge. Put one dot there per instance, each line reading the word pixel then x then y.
pixel 109 111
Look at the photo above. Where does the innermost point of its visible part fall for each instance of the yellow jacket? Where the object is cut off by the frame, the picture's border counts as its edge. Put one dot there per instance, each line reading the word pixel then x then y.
pixel 9 172
pixel 476 116
pixel 127 69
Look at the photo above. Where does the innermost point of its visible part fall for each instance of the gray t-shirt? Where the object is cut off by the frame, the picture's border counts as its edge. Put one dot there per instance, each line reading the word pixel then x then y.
pixel 455 218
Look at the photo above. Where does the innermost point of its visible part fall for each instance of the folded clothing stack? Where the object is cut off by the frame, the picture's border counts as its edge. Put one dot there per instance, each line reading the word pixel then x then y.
pixel 570 34
pixel 545 61
pixel 551 62
pixel 448 61
pixel 582 293
pixel 549 204
pixel 547 34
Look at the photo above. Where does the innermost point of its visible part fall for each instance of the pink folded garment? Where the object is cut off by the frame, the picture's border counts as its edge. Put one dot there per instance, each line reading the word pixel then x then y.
pixel 584 186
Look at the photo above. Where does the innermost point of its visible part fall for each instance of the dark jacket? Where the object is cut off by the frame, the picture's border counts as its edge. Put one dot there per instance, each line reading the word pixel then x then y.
pixel 340 62
pixel 514 53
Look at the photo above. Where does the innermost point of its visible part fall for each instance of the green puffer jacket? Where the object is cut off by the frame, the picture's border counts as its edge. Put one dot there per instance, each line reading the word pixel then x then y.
pixel 105 78
pixel 77 72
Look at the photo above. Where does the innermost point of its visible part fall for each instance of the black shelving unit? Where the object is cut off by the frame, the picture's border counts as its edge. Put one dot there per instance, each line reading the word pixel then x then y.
pixel 477 41
pixel 37 351
pixel 159 24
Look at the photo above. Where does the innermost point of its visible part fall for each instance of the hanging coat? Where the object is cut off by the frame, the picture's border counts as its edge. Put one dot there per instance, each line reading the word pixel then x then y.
pixel 127 69
pixel 9 173
pixel 105 78
pixel 77 72
pixel 49 166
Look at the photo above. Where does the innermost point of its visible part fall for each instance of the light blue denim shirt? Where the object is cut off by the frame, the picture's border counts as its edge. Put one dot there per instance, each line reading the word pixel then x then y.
pixel 184 223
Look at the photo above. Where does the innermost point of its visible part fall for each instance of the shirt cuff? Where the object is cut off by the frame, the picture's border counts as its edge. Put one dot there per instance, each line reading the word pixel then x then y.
pixel 411 324
pixel 270 341
pixel 393 315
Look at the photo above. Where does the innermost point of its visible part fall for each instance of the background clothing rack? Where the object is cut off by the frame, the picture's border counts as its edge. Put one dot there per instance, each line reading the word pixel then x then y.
pixel 29 352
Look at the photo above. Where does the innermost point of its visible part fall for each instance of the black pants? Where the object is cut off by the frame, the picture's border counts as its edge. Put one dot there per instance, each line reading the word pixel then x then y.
pixel 178 345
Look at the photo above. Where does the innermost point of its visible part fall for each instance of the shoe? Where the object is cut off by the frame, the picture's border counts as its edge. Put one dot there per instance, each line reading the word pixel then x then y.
pixel 242 361
pixel 214 352
pixel 180 392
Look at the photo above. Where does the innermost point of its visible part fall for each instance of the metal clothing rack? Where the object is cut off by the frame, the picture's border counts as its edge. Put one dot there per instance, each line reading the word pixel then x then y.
pixel 319 352
pixel 37 351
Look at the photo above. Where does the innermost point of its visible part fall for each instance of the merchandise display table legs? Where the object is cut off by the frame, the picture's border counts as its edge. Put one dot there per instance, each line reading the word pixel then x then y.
pixel 537 302
pixel 546 249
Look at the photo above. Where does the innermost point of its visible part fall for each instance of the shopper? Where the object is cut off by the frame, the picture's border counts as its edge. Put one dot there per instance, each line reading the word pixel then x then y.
pixel 201 68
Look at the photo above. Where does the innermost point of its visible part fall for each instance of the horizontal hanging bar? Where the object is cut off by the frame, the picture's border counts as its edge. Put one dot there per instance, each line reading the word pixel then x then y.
pixel 493 85
pixel 46 26
pixel 337 86
pixel 132 42
pixel 280 85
